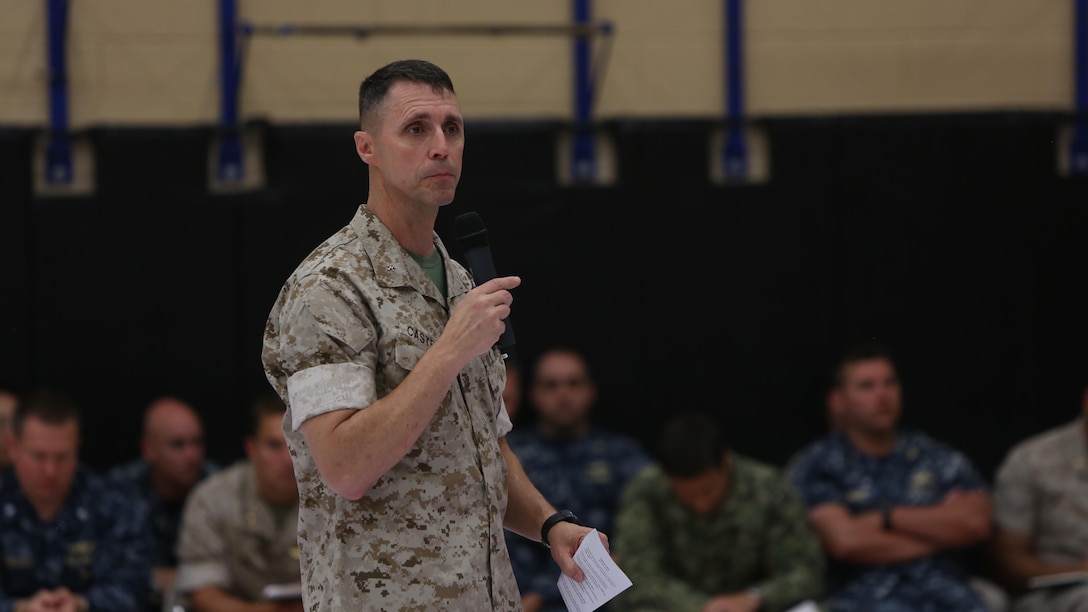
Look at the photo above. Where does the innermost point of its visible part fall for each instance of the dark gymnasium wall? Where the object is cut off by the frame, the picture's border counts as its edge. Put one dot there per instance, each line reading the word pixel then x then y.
pixel 951 239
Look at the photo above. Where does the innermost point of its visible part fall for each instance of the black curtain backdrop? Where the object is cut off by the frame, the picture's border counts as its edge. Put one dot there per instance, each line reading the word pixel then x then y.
pixel 952 239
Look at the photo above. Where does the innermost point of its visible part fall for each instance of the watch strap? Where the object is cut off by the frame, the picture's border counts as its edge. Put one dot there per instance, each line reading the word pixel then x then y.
pixel 563 516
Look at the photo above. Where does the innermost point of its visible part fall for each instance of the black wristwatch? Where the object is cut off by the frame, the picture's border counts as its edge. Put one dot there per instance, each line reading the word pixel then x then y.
pixel 886 518
pixel 563 516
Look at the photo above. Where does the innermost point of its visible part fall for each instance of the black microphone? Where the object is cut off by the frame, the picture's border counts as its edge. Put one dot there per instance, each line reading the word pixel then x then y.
pixel 472 237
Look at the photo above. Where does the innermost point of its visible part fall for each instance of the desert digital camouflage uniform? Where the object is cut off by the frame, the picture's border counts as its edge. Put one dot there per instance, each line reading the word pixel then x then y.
pixel 678 561
pixel 348 327
pixel 95 547
pixel 230 538
pixel 918 472
pixel 1042 492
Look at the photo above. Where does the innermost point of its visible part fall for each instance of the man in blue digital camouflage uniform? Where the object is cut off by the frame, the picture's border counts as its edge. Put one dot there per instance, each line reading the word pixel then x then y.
pixel 172 463
pixel 574 465
pixel 890 505
pixel 69 542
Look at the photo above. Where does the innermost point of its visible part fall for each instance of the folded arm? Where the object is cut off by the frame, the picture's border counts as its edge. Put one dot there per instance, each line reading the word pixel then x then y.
pixel 861 539
pixel 960 520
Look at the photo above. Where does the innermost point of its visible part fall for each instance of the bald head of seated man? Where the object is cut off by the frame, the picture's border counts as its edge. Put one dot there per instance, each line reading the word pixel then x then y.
pixel 171 464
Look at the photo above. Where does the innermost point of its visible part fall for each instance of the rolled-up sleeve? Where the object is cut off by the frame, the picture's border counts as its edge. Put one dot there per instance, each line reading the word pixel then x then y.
pixel 326 350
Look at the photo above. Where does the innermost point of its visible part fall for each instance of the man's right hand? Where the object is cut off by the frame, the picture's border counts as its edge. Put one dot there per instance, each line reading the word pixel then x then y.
pixel 477 322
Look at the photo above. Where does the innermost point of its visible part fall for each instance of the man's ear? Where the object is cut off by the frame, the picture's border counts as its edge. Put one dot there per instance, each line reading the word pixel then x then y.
pixel 364 146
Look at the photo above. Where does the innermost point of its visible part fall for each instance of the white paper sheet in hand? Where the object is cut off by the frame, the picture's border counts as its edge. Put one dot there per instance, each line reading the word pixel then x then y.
pixel 604 579
pixel 805 606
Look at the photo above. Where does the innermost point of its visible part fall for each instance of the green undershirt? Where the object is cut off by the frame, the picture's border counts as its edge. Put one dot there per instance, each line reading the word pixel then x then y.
pixel 432 266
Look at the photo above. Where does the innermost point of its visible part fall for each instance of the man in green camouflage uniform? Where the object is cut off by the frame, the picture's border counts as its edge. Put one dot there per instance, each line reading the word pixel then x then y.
pixel 710 530
pixel 385 356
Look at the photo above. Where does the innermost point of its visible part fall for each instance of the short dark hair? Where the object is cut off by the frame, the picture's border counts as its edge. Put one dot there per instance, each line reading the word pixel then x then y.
pixel 690 445
pixel 861 350
pixel 373 89
pixel 266 405
pixel 48 406
pixel 562 349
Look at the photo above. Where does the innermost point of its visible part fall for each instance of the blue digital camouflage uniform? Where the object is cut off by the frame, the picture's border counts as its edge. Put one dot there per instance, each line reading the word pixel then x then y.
pixel 759 538
pixel 96 546
pixel 919 472
pixel 163 518
pixel 585 475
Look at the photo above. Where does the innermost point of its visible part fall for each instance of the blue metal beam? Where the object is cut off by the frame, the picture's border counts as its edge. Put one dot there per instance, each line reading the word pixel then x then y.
pixel 229 167
pixel 1078 154
pixel 584 155
pixel 735 147
pixel 58 152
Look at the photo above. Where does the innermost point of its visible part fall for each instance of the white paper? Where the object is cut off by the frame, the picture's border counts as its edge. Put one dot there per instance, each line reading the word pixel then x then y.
pixel 604 579
pixel 805 606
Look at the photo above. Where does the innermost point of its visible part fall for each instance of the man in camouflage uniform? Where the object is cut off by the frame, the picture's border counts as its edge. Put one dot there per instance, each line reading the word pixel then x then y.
pixel 68 540
pixel 890 505
pixel 385 356
pixel 574 464
pixel 1041 507
pixel 711 530
pixel 240 525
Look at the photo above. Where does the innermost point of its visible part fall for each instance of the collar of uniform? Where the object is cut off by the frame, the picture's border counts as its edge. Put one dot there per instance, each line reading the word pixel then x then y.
pixel 256 517
pixel 393 267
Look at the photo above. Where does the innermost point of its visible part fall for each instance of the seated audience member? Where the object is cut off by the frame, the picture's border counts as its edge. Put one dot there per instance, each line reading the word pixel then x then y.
pixel 1041 511
pixel 239 528
pixel 172 449
pixel 8 402
pixel 69 540
pixel 890 505
pixel 713 530
pixel 575 466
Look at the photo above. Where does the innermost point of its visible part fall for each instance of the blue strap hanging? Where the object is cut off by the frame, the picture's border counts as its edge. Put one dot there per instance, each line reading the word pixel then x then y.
pixel 1078 153
pixel 229 166
pixel 584 154
pixel 58 152
pixel 735 145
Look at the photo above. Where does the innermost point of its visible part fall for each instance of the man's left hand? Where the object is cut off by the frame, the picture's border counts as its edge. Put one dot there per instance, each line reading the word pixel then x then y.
pixel 564 539
pixel 737 602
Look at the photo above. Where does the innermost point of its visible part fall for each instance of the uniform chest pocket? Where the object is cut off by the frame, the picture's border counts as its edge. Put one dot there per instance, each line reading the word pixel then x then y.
pixel 404 358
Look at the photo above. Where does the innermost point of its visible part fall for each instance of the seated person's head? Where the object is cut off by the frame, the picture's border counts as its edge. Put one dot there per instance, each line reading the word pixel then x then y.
pixel 562 392
pixel 865 396
pixel 8 402
pixel 266 449
pixel 45 448
pixel 696 462
pixel 173 443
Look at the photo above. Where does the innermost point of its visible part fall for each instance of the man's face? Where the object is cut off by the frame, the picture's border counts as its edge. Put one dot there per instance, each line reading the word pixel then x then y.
pixel 562 390
pixel 7 412
pixel 415 143
pixel 869 397
pixel 45 457
pixel 268 453
pixel 702 494
pixel 174 444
